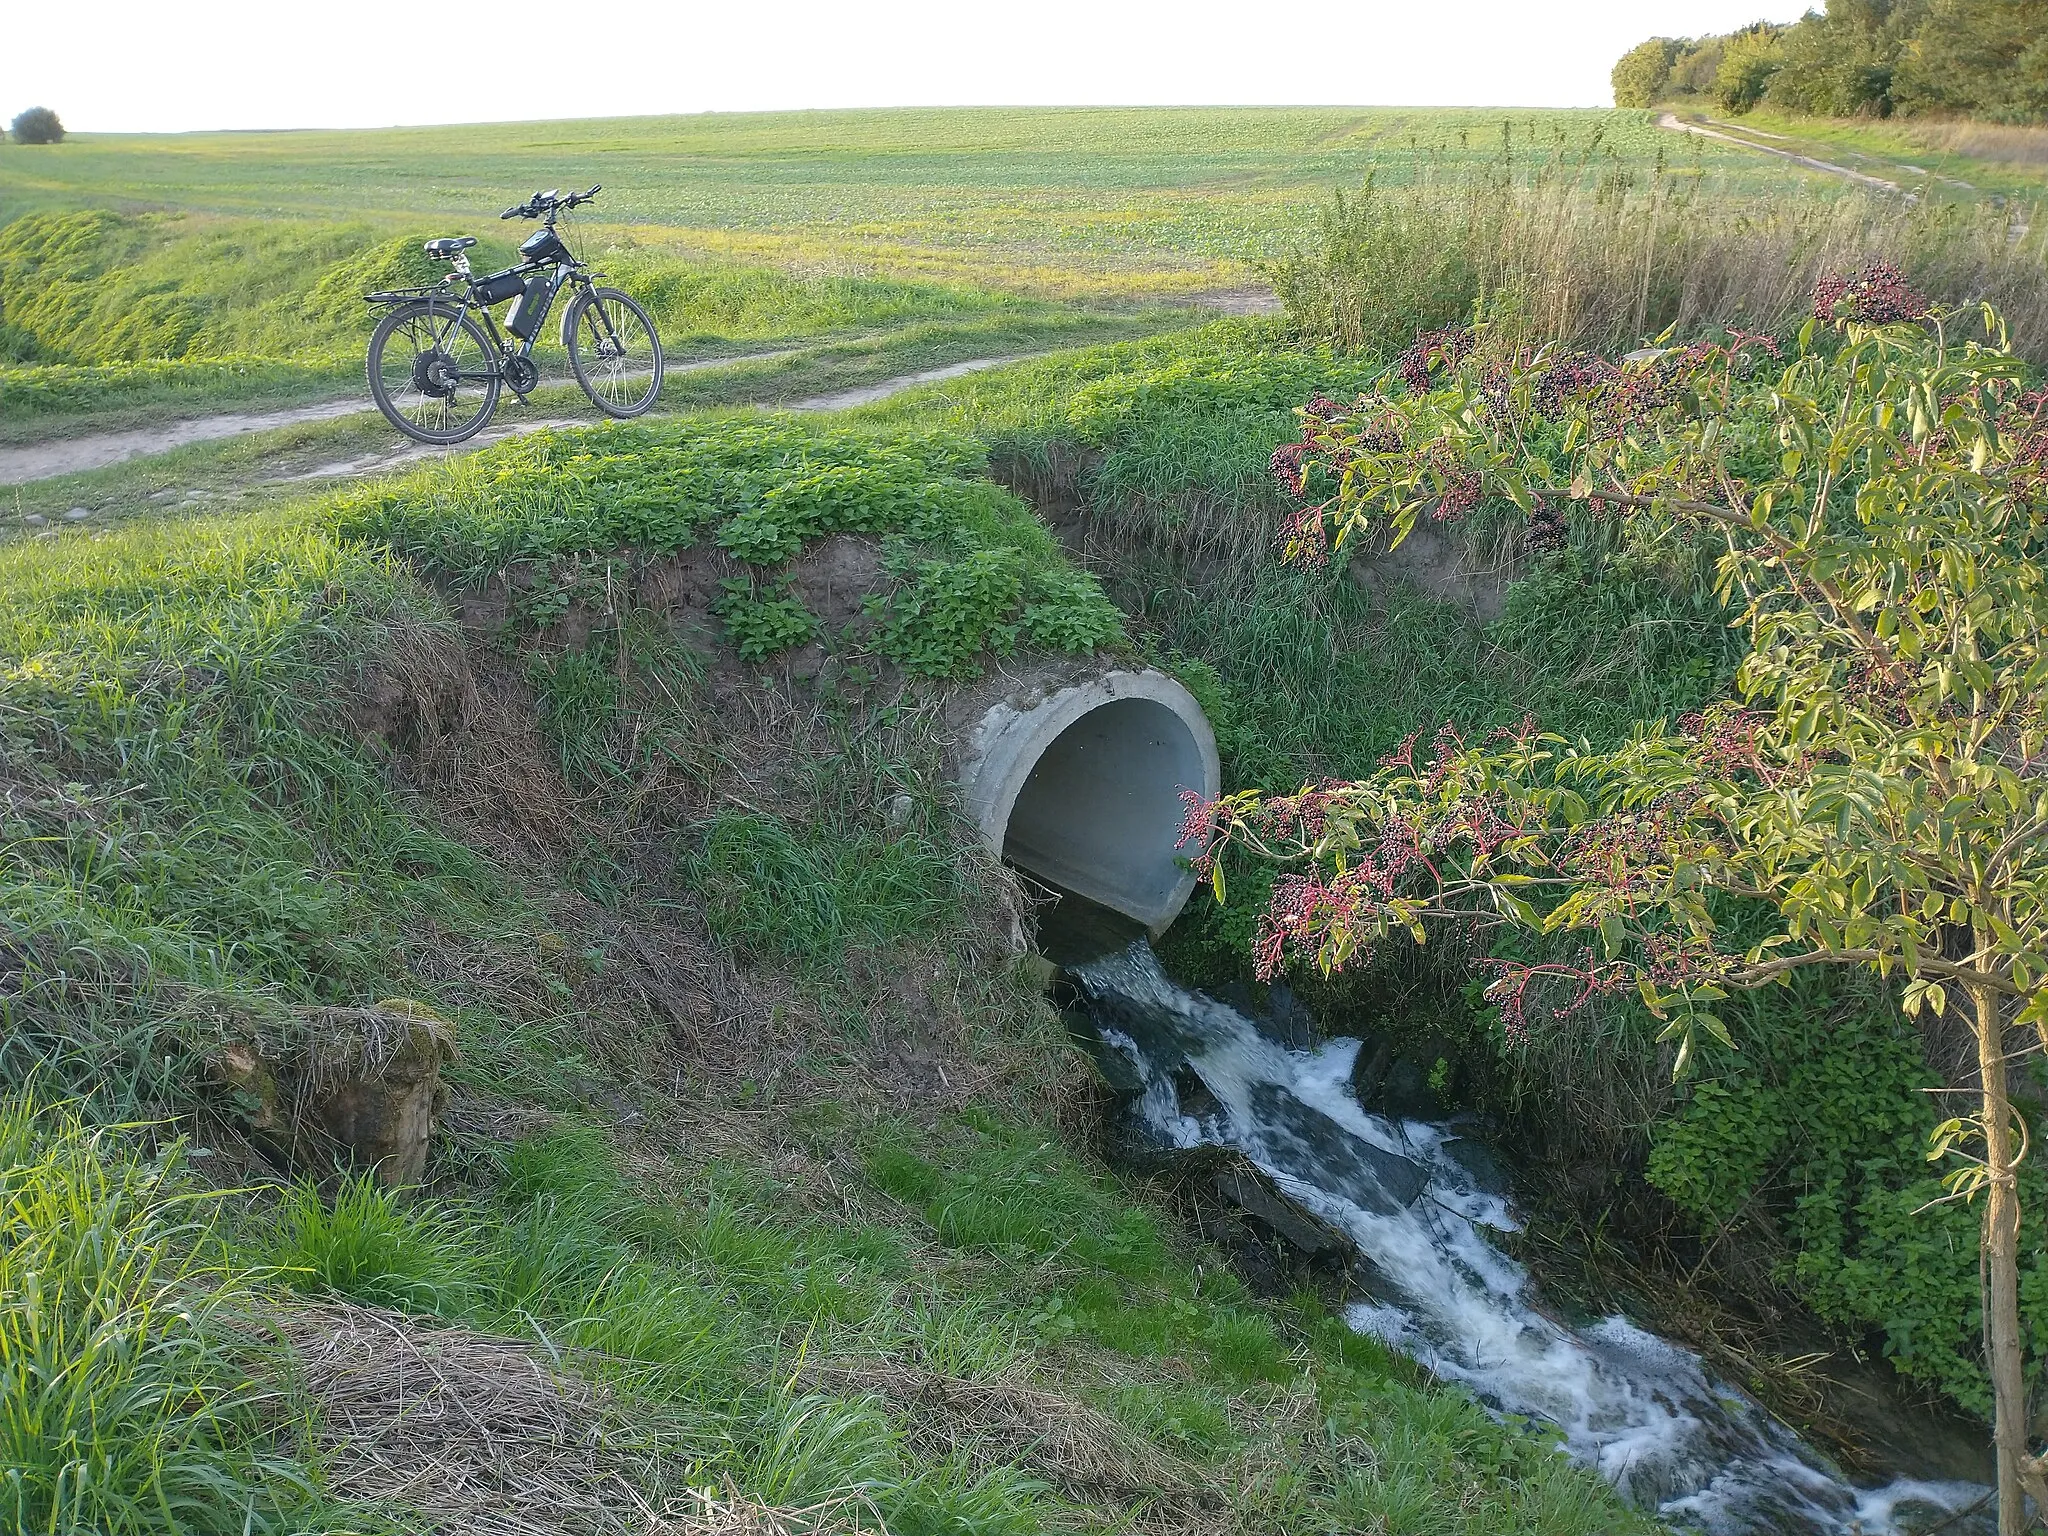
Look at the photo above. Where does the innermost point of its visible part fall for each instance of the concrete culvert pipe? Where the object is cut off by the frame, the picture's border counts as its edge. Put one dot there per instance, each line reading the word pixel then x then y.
pixel 1078 781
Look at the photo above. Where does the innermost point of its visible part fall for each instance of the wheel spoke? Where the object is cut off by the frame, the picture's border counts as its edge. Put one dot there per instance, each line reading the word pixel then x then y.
pixel 435 377
pixel 614 352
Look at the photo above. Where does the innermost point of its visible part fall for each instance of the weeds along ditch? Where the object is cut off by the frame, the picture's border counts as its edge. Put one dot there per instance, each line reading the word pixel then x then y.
pixel 1786 1180
pixel 1558 254
pixel 755 1197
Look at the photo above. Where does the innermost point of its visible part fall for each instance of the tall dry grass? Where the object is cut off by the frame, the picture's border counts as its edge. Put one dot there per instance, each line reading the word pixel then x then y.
pixel 1606 264
pixel 1999 143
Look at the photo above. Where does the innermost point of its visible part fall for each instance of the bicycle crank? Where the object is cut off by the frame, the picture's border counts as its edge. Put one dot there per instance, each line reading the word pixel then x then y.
pixel 522 375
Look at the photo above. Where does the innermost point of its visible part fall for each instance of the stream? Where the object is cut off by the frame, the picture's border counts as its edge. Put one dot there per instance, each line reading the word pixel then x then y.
pixel 1419 1206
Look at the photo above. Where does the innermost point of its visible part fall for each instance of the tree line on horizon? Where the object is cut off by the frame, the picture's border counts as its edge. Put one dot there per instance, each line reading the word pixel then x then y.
pixel 1860 58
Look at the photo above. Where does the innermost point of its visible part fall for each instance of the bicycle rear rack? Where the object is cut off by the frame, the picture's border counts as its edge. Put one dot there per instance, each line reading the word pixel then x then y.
pixel 407 295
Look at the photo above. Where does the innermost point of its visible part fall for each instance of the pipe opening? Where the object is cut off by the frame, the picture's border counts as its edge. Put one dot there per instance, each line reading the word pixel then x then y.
pixel 1083 789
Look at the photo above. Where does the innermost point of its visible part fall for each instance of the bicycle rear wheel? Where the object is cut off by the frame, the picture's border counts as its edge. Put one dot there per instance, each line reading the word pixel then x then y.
pixel 435 379
pixel 614 352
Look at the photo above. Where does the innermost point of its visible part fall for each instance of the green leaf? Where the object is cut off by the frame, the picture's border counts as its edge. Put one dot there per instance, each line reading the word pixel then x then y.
pixel 1612 935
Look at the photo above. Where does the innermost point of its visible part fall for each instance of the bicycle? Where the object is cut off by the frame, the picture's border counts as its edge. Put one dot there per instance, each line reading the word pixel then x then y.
pixel 436 373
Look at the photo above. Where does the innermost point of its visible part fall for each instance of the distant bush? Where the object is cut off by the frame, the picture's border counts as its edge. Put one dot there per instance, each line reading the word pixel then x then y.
pixel 38 125
pixel 1644 72
pixel 1985 58
pixel 1751 58
pixel 1839 65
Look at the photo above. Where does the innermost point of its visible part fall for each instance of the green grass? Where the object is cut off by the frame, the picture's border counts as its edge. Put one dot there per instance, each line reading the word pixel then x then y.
pixel 752 1339
pixel 1925 157
pixel 123 1407
pixel 116 320
pixel 968 569
pixel 195 844
pixel 765 1337
pixel 774 890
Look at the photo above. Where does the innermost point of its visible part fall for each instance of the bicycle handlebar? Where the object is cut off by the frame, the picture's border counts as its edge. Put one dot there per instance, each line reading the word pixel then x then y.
pixel 549 202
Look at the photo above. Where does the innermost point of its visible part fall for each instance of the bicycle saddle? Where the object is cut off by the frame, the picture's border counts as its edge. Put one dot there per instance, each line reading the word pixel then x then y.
pixel 445 248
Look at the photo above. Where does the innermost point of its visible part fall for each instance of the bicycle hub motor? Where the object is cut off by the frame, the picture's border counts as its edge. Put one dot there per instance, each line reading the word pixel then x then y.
pixel 435 373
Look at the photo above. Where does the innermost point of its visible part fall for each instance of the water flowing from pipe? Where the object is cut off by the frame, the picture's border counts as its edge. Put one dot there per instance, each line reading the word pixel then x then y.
pixel 1642 1411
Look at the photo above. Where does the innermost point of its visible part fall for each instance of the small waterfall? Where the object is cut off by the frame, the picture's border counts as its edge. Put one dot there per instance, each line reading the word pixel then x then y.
pixel 1641 1410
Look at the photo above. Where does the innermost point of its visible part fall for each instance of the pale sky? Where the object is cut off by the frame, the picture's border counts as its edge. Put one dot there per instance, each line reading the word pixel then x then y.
pixel 149 65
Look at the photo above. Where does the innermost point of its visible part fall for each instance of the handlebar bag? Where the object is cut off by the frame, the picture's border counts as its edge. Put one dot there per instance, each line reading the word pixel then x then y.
pixel 499 286
pixel 544 245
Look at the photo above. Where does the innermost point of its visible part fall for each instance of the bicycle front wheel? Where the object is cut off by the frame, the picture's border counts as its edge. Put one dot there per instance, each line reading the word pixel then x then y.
pixel 433 373
pixel 614 352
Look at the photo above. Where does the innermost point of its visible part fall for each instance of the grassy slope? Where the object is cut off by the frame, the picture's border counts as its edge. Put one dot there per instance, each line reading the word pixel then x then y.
pixel 797 1242
pixel 123 320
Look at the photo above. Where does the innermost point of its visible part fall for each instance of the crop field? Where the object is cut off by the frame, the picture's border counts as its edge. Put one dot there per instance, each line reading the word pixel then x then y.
pixel 1080 201
pixel 151 275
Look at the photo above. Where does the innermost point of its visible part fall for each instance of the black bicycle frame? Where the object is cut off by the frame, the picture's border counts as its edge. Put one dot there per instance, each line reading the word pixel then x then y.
pixel 564 277
pixel 575 275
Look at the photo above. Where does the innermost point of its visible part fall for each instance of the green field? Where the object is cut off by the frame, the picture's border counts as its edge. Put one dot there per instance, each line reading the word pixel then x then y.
pixel 229 254
pixel 1068 201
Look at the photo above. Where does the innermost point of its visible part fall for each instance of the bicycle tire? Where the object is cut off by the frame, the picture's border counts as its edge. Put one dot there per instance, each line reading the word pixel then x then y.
pixel 592 331
pixel 409 397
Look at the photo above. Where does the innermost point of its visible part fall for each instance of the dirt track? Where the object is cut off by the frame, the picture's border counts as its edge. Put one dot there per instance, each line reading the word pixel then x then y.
pixel 69 455
pixel 73 455
pixel 1677 124
pixel 868 394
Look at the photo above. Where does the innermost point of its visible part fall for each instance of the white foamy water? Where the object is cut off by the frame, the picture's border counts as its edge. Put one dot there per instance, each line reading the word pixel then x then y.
pixel 1641 1410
